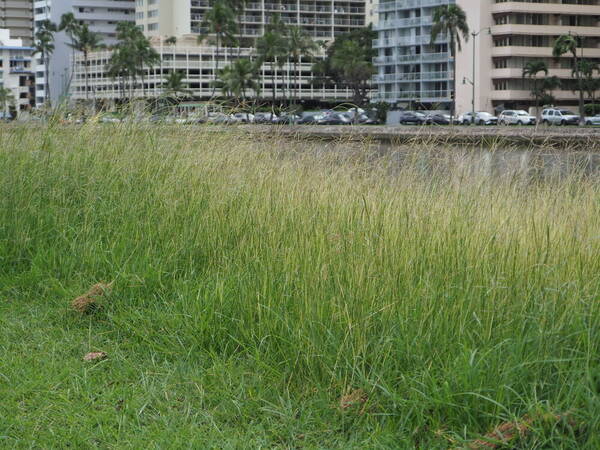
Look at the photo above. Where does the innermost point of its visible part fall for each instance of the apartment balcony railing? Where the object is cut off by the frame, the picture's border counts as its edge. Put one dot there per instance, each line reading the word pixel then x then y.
pixel 408 4
pixel 425 57
pixel 417 76
pixel 404 23
pixel 414 95
pixel 407 41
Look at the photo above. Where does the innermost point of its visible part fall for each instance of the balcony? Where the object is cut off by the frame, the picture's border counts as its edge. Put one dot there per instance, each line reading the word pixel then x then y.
pixel 514 94
pixel 518 73
pixel 416 76
pixel 543 30
pixel 410 4
pixel 425 57
pixel 426 96
pixel 536 52
pixel 544 8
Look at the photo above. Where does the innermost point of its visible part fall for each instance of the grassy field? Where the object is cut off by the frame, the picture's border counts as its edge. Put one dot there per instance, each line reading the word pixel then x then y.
pixel 265 297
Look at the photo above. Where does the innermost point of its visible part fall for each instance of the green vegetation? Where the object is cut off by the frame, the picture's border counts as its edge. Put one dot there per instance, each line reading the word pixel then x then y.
pixel 451 21
pixel 258 281
pixel 44 45
pixel 349 63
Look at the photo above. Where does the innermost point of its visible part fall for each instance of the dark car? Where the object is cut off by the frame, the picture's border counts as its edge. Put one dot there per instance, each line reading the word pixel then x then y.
pixel 409 117
pixel 336 118
pixel 312 119
pixel 288 119
pixel 265 117
pixel 437 119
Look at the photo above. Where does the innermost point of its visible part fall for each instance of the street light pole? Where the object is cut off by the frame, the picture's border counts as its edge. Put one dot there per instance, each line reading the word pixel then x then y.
pixel 474 34
pixel 473 84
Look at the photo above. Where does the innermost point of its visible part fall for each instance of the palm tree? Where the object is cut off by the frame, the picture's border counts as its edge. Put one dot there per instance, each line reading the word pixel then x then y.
pixel 549 84
pixel 590 84
pixel 568 43
pixel 451 20
pixel 238 7
pixel 146 56
pixel 44 44
pixel 220 21
pixel 531 70
pixel 86 41
pixel 238 77
pixel 300 44
pixel 132 54
pixel 174 84
pixel 6 99
pixel 272 48
pixel 70 26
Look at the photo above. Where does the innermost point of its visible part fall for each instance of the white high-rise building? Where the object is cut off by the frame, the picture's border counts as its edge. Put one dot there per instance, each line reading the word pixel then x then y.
pixel 513 33
pixel 16 73
pixel 17 16
pixel 323 20
pixel 410 70
pixel 504 36
pixel 101 16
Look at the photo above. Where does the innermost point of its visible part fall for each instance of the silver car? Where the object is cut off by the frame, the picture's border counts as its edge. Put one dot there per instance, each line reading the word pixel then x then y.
pixel 554 116
pixel 593 120
pixel 516 117
pixel 484 118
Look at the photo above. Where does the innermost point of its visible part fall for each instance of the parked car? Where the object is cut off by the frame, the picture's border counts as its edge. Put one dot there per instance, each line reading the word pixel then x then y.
pixel 552 116
pixel 516 117
pixel 288 119
pixel 4 116
pixel 312 119
pixel 410 117
pixel 466 118
pixel 484 118
pixel 437 119
pixel 265 117
pixel 243 117
pixel 220 118
pixel 593 120
pixel 334 118
pixel 111 118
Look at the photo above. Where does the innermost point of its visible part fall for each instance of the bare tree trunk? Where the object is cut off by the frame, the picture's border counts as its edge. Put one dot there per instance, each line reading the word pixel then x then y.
pixel 47 76
pixel 87 77
pixel 453 91
pixel 216 74
pixel 273 81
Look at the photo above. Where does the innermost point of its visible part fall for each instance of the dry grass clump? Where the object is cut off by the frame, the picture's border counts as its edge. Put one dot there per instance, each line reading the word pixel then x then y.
pixel 89 301
pixel 508 433
pixel 95 356
pixel 357 397
pixel 503 434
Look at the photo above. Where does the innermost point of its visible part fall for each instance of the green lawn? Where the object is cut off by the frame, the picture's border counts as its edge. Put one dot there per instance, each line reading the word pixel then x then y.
pixel 255 285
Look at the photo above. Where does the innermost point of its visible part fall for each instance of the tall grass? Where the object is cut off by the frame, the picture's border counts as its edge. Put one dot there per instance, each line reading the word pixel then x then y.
pixel 259 280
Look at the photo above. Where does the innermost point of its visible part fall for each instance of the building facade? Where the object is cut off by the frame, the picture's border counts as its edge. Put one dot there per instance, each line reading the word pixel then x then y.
pixel 101 16
pixel 17 17
pixel 182 19
pixel 519 32
pixel 16 73
pixel 322 19
pixel 198 63
pixel 411 71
